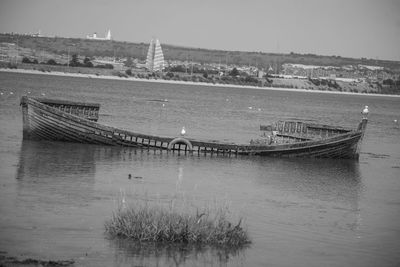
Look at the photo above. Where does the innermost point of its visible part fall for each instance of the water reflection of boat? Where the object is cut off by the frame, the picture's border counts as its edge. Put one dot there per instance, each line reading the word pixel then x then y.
pixel 48 119
pixel 56 170
pixel 54 159
pixel 338 181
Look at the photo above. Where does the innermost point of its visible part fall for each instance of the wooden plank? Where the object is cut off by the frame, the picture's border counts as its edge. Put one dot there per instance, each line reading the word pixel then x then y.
pixel 65 102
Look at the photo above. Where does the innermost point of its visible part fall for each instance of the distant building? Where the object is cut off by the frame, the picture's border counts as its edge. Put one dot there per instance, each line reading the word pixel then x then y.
pixel 155 57
pixel 36 34
pixel 95 37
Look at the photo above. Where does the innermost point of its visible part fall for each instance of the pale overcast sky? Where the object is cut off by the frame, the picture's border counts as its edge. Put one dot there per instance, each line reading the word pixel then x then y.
pixel 351 28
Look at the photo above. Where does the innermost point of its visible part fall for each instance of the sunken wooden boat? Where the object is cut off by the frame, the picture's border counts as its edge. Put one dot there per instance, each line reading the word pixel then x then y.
pixel 67 121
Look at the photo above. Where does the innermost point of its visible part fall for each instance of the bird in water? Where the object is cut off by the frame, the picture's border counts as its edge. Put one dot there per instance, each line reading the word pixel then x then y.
pixel 183 131
pixel 135 177
pixel 365 112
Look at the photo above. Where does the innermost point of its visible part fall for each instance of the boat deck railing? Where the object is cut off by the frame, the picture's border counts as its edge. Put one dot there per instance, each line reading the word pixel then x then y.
pixel 89 111
pixel 294 131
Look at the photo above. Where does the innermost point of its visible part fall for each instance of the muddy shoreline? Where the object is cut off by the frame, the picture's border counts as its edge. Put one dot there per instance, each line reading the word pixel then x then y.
pixel 7 261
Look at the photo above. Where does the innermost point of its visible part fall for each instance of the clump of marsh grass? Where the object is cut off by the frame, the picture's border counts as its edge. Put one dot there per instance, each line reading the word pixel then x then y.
pixel 157 223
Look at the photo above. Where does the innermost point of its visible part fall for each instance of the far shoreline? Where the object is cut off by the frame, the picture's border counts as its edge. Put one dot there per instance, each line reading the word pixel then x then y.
pixel 108 77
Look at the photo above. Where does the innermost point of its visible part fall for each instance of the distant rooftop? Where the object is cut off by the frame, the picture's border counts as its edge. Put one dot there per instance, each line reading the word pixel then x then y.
pixel 95 37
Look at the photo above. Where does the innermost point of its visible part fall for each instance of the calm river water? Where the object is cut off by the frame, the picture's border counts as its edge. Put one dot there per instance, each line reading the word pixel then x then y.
pixel 55 197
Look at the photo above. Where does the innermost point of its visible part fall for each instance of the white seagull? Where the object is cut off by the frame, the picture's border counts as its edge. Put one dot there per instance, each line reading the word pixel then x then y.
pixel 183 131
pixel 365 112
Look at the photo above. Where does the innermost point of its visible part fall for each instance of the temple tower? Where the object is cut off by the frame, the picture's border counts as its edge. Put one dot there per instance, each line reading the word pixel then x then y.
pixel 155 57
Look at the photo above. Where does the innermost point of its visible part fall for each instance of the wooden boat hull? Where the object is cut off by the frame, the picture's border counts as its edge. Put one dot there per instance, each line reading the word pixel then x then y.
pixel 345 147
pixel 76 122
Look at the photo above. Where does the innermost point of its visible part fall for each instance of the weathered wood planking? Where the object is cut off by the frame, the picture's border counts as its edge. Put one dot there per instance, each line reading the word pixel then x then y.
pixel 47 119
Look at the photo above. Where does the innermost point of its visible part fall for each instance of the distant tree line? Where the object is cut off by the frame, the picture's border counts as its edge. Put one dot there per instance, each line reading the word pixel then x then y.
pixel 242 79
pixel 74 62
pixel 390 86
pixel 391 82
pixel 27 60
pixel 191 69
pixel 323 82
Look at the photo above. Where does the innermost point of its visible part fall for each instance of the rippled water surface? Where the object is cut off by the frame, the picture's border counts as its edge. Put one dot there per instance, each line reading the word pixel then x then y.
pixel 55 197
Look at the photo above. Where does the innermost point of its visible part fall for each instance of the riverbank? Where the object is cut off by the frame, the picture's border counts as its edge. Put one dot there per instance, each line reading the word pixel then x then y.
pixel 123 78
pixel 30 262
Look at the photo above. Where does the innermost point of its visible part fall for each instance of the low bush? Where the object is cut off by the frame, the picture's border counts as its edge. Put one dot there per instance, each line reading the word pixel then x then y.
pixel 161 224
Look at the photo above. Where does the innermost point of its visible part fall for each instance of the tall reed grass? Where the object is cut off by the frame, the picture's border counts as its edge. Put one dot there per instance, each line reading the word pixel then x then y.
pixel 157 223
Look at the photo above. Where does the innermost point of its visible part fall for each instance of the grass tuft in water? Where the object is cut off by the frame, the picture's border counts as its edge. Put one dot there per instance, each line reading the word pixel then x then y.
pixel 162 224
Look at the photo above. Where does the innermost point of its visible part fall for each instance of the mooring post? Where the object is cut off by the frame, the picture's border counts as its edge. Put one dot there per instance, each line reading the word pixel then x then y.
pixel 25 119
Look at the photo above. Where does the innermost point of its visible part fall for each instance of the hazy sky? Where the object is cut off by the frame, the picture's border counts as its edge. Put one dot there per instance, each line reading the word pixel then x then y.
pixel 351 28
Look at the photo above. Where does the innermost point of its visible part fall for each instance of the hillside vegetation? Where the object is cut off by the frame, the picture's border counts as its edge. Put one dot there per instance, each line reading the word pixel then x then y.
pixel 89 48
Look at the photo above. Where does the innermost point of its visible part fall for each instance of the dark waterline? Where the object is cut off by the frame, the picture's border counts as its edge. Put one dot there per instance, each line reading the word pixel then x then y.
pixel 55 197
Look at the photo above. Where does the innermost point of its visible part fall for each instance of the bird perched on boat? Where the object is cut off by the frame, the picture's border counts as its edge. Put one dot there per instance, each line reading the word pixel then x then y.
pixel 365 112
pixel 183 131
